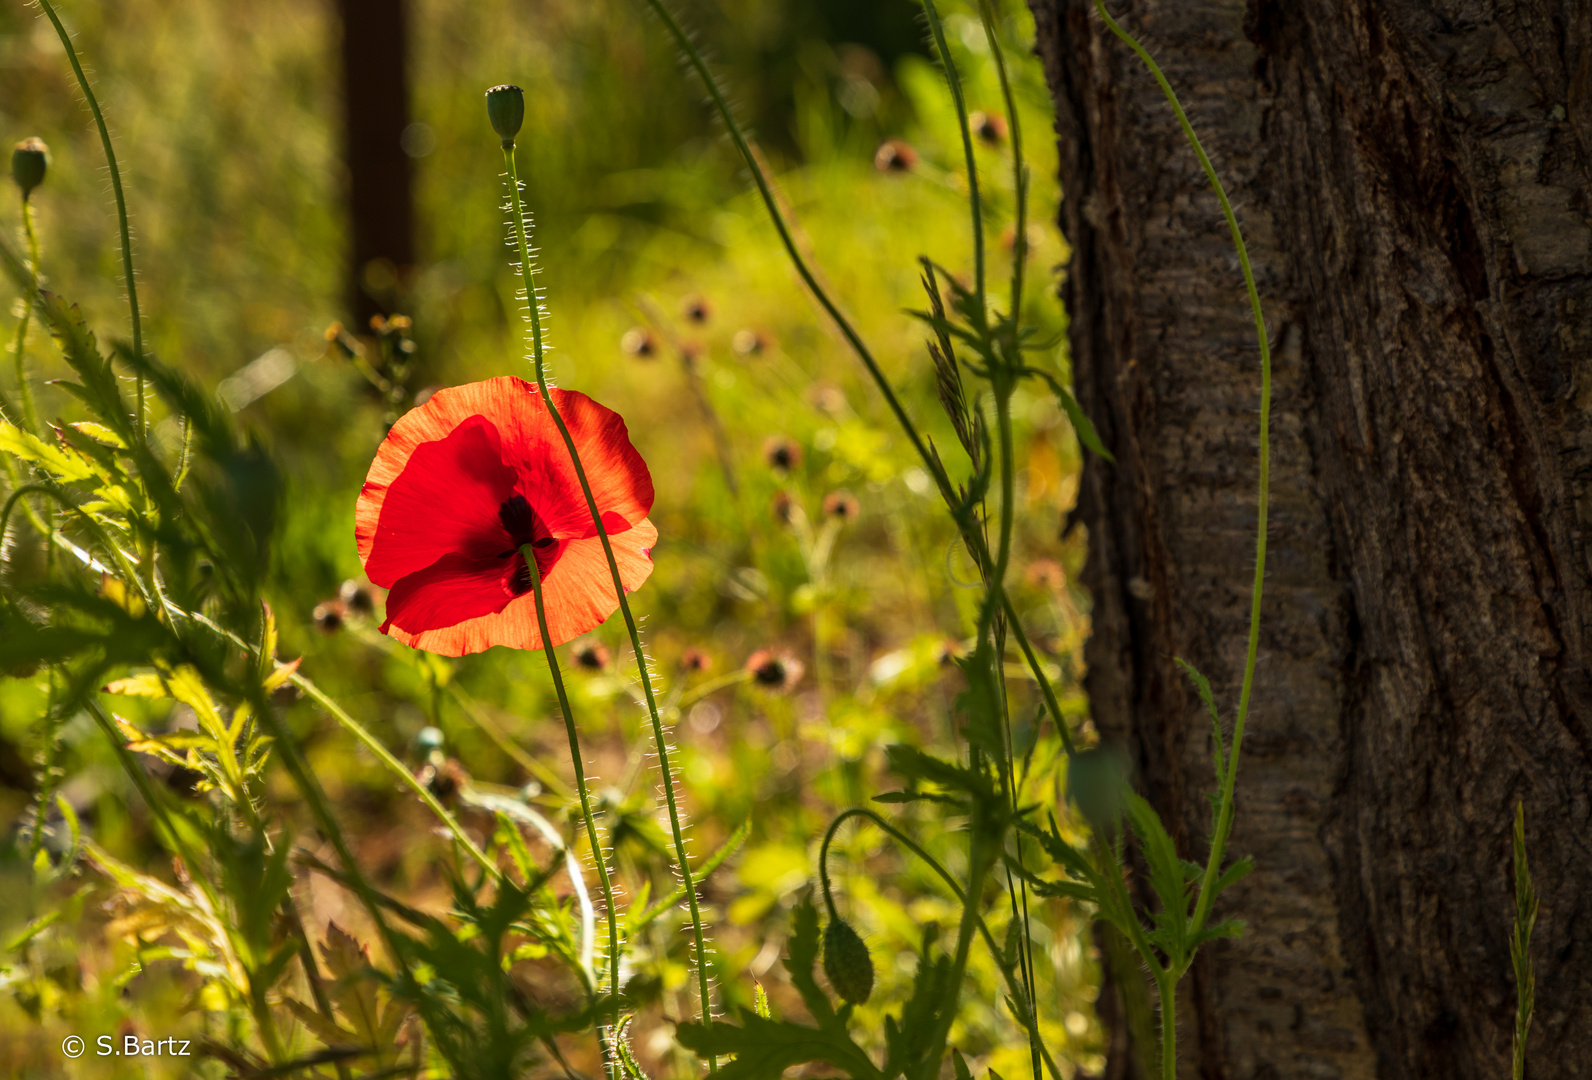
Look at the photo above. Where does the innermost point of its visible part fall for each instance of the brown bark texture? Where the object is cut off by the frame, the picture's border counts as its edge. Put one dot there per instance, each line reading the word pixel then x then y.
pixel 1413 180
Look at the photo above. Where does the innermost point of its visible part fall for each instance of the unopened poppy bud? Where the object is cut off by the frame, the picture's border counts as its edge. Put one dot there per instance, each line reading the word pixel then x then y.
pixel 989 127
pixel 328 616
pixel 29 162
pixel 782 454
pixel 894 155
pixel 847 963
pixel 841 505
pixel 505 107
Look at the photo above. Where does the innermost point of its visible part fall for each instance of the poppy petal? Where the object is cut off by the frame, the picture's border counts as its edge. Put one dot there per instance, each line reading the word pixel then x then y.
pixel 454 589
pixel 578 596
pixel 444 500
pixel 620 482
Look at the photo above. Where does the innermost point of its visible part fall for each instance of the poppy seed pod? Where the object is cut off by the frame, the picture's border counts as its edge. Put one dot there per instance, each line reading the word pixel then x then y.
pixel 29 162
pixel 894 155
pixel 779 672
pixel 847 963
pixel 329 616
pixel 841 505
pixel 989 127
pixel 591 656
pixel 505 107
pixel 782 454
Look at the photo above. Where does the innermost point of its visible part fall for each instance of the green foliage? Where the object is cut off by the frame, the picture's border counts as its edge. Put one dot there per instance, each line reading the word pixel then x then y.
pixel 1520 944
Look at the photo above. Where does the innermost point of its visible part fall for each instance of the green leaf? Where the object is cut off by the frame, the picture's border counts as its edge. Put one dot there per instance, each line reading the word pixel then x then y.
pixel 1166 875
pixel 1203 685
pixel 803 946
pixel 69 467
pixel 764 1049
pixel 908 1041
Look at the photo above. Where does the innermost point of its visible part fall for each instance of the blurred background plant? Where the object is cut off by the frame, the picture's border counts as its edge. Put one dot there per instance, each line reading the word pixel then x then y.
pixel 810 592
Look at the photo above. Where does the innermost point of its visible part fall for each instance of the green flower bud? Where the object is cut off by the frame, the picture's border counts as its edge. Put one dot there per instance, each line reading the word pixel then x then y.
pixel 846 962
pixel 505 107
pixel 1095 780
pixel 28 164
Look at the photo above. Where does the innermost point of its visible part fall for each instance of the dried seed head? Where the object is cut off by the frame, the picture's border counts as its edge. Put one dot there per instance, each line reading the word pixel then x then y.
pixel 783 506
pixel 827 398
pixel 29 162
pixel 895 155
pixel 847 964
pixel 329 616
pixel 989 127
pixel 841 505
pixel 749 342
pixel 640 342
pixel 695 660
pixel 1047 574
pixel 781 453
pixel 505 107
pixel 950 651
pixel 696 309
pixel 779 672
pixel 591 656
pixel 357 598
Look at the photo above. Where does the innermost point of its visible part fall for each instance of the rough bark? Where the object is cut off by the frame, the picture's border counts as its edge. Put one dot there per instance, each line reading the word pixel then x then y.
pixel 1413 179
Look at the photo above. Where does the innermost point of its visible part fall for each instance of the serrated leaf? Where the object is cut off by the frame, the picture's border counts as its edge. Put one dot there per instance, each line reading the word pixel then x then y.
pixel 100 433
pixel 326 1031
pixel 1233 875
pixel 803 947
pixel 1203 686
pixel 280 675
pixel 764 1049
pixel 63 465
pixel 1166 873
pixel 184 684
pixel 148 685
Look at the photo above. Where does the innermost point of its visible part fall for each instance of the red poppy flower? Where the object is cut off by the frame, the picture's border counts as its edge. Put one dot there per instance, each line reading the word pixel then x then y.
pixel 463 481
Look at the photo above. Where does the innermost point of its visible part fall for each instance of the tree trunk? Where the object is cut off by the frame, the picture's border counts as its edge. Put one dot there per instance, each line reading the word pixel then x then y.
pixel 1413 180
pixel 375 114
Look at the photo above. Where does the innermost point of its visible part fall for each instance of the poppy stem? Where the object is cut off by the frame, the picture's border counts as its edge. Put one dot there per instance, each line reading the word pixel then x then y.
pixel 619 590
pixel 528 553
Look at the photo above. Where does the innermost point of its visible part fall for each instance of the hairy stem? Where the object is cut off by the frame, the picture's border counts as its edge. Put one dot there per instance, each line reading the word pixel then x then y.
pixel 528 553
pixel 619 590
pixel 121 201
pixel 30 415
pixel 1224 816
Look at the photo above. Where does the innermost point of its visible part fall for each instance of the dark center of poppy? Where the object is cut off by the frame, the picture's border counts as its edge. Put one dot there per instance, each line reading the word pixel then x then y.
pixel 525 527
